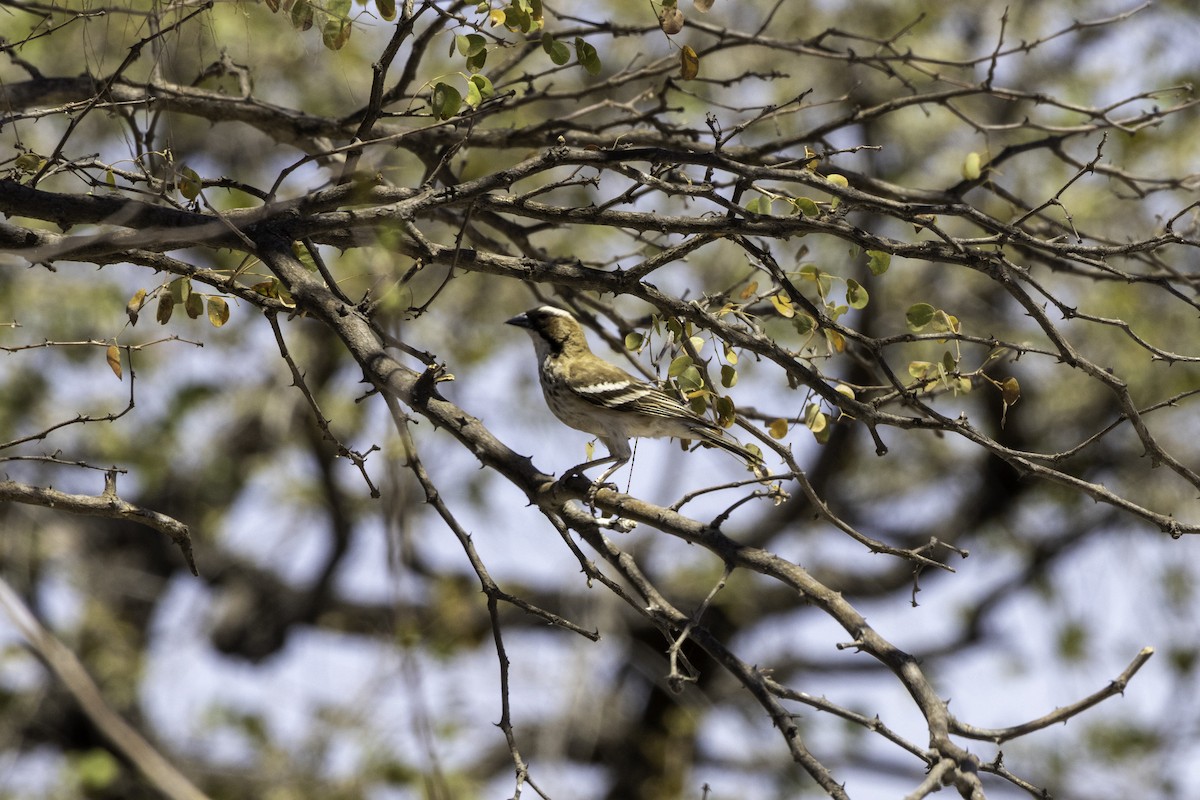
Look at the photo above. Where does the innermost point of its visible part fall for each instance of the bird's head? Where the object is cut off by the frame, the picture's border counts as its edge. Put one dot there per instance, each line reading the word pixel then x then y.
pixel 553 330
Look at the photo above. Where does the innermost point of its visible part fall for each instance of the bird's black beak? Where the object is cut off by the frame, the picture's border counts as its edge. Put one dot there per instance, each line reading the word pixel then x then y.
pixel 520 320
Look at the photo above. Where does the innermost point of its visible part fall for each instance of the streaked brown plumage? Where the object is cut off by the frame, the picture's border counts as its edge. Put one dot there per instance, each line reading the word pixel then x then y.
pixel 589 394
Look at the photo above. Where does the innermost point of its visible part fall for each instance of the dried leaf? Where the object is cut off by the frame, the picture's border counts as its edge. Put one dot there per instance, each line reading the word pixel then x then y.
pixel 670 19
pixel 1010 390
pixel 166 304
pixel 113 356
pixel 135 305
pixel 689 63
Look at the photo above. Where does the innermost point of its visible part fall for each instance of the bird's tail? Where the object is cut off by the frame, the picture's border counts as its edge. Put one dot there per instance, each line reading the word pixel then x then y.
pixel 718 438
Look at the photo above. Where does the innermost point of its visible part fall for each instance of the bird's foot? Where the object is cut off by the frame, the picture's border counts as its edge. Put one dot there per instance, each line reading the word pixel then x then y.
pixel 592 492
pixel 617 524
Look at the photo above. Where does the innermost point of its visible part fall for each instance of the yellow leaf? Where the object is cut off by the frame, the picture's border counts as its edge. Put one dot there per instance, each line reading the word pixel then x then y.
pixel 689 63
pixel 113 356
pixel 783 305
pixel 778 428
pixel 135 305
pixel 218 311
pixel 971 167
pixel 814 418
pixel 837 180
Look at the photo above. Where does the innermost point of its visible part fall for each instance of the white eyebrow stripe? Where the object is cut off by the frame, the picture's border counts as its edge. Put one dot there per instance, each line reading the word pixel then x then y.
pixel 558 312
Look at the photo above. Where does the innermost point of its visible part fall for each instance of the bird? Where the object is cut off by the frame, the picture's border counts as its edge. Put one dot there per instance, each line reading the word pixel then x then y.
pixel 589 394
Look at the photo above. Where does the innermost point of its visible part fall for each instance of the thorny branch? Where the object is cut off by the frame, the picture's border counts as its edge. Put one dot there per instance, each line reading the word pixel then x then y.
pixel 609 156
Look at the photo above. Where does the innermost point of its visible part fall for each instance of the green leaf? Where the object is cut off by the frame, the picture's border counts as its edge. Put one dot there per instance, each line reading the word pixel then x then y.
pixel 804 324
pixel 96 770
pixel 559 53
pixel 729 376
pixel 189 183
pixel 760 205
pixel 943 322
pixel 634 341
pixel 878 261
pixel 678 365
pixel 856 295
pixel 587 56
pixel 476 62
pixel 166 304
pixel 335 33
pixel 302 15
pixel 445 100
pixel 481 86
pixel 179 288
pixel 726 412
pixel 921 369
pixel 517 17
pixel 387 9
pixel 470 45
pixel 837 180
pixel 690 380
pixel 918 316
pixel 806 207
pixel 194 305
pixel 31 162
pixel 823 280
pixel 1073 640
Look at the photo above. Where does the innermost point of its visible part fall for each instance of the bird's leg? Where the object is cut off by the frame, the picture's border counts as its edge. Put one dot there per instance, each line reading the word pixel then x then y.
pixel 599 484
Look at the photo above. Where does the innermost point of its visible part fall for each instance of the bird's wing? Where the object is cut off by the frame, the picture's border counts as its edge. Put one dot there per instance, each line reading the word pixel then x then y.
pixel 608 386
